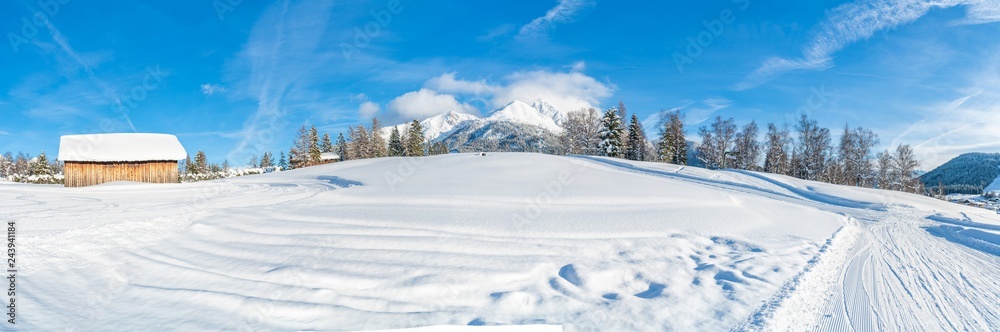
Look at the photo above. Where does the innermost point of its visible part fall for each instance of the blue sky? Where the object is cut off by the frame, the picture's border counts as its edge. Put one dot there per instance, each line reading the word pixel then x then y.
pixel 235 78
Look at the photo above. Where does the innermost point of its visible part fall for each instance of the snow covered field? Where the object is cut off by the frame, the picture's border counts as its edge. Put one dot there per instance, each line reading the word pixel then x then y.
pixel 584 243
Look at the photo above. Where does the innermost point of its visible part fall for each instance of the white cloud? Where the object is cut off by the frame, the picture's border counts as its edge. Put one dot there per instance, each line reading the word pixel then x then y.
pixel 449 84
pixel 849 23
pixel 579 66
pixel 210 89
pixel 696 113
pixel 562 12
pixel 4 133
pixel 565 91
pixel 426 103
pixel 368 109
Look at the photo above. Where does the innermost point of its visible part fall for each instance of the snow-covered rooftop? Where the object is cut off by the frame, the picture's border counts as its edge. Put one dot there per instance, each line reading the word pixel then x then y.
pixel 329 156
pixel 120 147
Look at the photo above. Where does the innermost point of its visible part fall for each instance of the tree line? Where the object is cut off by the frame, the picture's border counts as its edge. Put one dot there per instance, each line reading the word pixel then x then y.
pixel 807 151
pixel 25 168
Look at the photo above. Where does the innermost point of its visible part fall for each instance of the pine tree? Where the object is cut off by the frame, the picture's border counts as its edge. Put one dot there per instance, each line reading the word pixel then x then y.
pixel 777 159
pixel 200 163
pixel 282 163
pixel 253 161
pixel 298 155
pixel 188 168
pixel 40 165
pixel 342 147
pixel 377 142
pixel 395 144
pixel 359 147
pixel 315 154
pixel 326 145
pixel 672 147
pixel 439 148
pixel 635 147
pixel 611 135
pixel 415 146
pixel 622 112
pixel 267 160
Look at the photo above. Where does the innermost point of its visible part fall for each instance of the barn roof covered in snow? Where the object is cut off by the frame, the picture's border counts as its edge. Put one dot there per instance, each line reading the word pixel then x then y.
pixel 120 147
pixel 329 156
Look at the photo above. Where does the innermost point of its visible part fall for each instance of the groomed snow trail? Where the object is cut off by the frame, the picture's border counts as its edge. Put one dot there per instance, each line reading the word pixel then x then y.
pixel 902 278
pixel 893 267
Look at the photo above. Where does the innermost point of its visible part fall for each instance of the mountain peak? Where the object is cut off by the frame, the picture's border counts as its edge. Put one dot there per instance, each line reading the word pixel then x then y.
pixel 520 112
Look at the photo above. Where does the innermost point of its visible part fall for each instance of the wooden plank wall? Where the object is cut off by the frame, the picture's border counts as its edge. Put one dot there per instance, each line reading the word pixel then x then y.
pixel 80 174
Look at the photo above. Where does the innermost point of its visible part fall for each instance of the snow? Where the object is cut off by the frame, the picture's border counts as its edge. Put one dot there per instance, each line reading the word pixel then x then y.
pixel 120 147
pixel 510 241
pixel 435 126
pixel 994 186
pixel 520 112
pixel 329 156
pixel 539 114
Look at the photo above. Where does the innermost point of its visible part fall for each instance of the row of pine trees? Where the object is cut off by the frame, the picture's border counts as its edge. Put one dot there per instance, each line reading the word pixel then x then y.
pixel 811 155
pixel 25 168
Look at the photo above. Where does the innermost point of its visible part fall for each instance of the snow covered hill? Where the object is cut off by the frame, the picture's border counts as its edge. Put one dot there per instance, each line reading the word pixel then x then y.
pixel 585 243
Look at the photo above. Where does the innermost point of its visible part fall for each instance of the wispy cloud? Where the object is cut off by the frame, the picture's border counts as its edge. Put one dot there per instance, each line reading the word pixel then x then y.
pixel 209 89
pixel 108 91
pixel 966 124
pixel 281 52
pixel 849 23
pixel 564 11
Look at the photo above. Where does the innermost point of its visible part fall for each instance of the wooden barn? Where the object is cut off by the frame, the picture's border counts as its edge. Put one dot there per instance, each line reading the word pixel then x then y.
pixel 99 158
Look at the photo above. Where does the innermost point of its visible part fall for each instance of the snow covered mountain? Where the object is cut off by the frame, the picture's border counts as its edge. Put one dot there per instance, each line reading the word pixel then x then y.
pixel 517 126
pixel 969 173
pixel 435 126
pixel 538 114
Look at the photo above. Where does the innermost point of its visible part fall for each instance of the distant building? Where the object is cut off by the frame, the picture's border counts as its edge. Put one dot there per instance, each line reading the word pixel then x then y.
pixel 328 157
pixel 99 158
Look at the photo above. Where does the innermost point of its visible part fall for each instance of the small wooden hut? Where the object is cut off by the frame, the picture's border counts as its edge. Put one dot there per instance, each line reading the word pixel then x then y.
pixel 99 158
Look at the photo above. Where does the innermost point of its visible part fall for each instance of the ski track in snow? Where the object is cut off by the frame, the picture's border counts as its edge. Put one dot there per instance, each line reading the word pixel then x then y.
pixel 241 255
pixel 898 275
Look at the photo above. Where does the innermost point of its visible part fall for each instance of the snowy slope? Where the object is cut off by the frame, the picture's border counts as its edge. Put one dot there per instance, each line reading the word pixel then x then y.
pixel 993 186
pixel 537 115
pixel 585 243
